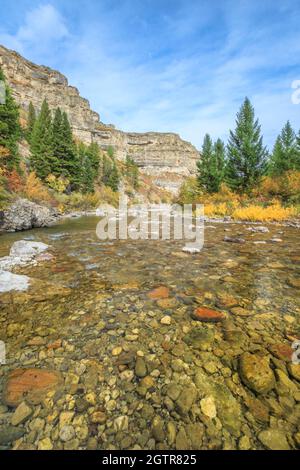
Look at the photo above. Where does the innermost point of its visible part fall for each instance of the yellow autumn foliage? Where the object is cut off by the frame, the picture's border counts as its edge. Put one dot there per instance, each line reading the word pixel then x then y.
pixel 275 212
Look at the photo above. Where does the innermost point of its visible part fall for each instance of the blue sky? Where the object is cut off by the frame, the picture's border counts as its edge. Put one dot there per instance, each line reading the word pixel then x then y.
pixel 167 65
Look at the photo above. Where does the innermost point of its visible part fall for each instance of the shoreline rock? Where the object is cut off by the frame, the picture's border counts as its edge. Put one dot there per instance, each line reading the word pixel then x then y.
pixel 25 215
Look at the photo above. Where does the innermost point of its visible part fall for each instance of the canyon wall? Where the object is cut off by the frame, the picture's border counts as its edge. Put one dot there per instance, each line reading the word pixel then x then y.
pixel 164 156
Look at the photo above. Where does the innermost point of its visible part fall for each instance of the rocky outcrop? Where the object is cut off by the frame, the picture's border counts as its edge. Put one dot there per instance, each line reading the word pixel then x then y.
pixel 24 215
pixel 163 156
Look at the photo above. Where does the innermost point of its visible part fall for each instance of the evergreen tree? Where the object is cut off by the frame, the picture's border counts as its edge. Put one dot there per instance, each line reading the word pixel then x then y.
pixel 57 158
pixel 204 164
pixel 246 153
pixel 285 154
pixel 69 163
pixel 132 171
pixel 106 169
pixel 31 121
pixel 93 152
pixel 9 129
pixel 114 179
pixel 218 166
pixel 41 143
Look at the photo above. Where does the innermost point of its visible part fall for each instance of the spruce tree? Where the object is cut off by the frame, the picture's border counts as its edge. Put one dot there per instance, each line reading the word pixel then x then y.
pixel 114 178
pixel 93 152
pixel 203 165
pixel 41 143
pixel 285 154
pixel 246 153
pixel 10 130
pixel 31 121
pixel 57 157
pixel 217 166
pixel 68 151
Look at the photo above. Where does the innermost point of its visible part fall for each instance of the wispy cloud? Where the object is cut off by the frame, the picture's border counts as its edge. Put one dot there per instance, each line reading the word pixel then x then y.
pixel 145 66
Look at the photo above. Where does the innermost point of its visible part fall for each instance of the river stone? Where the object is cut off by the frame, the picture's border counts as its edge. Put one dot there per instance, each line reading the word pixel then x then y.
pixel 256 373
pixel 21 414
pixel 13 282
pixel 157 429
pixel 294 371
pixel 140 367
pixel 199 338
pixel 66 433
pixel 282 351
pixel 206 314
pixel 228 408
pixel 45 444
pixel 186 399
pixel 284 384
pixel 208 407
pixel 182 442
pixel 10 434
pixel 159 293
pixel 274 439
pixel 32 384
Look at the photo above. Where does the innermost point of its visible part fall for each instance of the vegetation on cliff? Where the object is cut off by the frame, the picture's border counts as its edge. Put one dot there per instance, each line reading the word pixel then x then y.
pixel 58 170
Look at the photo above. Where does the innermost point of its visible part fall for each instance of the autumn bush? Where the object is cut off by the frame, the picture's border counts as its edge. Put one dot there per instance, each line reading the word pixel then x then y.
pixel 35 191
pixel 275 212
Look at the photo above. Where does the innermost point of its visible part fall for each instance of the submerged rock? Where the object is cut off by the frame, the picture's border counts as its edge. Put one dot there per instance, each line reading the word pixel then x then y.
pixel 256 373
pixel 32 384
pixel 274 439
pixel 25 215
pixel 10 282
pixel 205 314
pixel 21 253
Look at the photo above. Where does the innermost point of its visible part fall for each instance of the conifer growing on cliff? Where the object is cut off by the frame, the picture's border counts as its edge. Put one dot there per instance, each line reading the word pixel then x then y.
pixel 9 128
pixel 247 156
pixel 41 143
pixel 31 121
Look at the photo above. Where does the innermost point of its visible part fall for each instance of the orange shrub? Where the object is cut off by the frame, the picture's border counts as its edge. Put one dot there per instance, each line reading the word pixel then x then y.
pixel 35 191
pixel 15 182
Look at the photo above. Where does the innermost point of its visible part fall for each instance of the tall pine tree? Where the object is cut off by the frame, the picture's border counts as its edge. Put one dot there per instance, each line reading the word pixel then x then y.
pixel 204 164
pixel 211 166
pixel 9 129
pixel 30 121
pixel 247 155
pixel 218 165
pixel 41 143
pixel 285 154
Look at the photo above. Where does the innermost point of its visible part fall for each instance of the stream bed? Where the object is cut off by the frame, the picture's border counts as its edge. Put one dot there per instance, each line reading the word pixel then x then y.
pixel 148 347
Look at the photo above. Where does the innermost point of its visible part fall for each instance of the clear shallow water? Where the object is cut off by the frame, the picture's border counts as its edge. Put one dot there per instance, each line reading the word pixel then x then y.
pixel 93 297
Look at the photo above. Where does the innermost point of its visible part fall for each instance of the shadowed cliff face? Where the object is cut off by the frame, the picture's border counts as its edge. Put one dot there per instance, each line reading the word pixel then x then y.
pixel 164 156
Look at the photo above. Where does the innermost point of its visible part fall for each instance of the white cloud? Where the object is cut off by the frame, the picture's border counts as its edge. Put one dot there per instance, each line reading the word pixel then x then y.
pixel 42 27
pixel 179 75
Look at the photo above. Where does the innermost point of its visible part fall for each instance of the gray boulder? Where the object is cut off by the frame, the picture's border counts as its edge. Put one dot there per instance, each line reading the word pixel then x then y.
pixel 25 215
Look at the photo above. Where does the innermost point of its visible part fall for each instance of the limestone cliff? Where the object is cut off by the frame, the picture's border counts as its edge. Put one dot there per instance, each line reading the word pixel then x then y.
pixel 164 156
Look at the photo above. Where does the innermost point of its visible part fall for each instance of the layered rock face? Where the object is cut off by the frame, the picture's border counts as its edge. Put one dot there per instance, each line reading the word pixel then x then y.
pixel 164 156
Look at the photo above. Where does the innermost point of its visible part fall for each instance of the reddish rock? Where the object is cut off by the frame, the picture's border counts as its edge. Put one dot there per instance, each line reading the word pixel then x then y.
pixel 55 345
pixel 30 384
pixel 208 315
pixel 159 293
pixel 282 351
